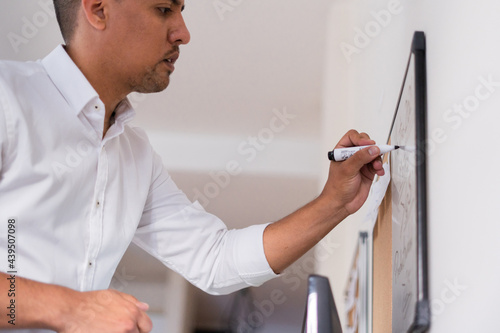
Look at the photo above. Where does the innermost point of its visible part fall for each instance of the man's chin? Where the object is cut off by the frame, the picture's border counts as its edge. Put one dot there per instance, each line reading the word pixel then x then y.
pixel 152 86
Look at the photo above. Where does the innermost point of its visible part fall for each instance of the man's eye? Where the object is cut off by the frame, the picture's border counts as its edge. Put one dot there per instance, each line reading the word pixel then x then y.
pixel 164 10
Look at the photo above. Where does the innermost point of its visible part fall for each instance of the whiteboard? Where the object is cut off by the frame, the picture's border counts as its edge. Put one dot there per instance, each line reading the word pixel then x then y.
pixel 410 303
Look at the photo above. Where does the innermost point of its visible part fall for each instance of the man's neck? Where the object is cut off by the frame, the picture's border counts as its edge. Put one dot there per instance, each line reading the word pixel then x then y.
pixel 109 92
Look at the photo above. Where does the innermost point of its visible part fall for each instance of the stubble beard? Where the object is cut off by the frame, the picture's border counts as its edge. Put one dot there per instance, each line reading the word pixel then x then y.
pixel 152 81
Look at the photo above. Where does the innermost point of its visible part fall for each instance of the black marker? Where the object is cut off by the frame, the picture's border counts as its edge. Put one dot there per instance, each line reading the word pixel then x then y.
pixel 342 154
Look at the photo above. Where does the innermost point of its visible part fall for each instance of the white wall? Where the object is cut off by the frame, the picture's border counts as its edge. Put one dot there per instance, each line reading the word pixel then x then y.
pixel 462 53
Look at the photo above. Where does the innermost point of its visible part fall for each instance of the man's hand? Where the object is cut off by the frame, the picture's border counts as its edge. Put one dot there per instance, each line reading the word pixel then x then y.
pixel 349 181
pixel 49 306
pixel 345 192
pixel 107 311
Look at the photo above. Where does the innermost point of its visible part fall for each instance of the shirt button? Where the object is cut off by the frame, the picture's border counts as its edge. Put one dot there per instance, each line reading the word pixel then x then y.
pixel 98 203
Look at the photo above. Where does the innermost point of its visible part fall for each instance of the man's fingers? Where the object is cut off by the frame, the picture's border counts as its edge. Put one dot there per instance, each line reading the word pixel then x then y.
pixel 364 135
pixel 144 323
pixel 373 168
pixel 142 306
pixel 378 166
pixel 353 138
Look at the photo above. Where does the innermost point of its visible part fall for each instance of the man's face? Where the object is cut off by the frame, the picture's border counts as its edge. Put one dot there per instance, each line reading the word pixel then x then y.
pixel 145 36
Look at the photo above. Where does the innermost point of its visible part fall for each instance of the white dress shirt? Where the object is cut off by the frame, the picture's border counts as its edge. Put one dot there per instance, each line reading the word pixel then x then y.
pixel 78 199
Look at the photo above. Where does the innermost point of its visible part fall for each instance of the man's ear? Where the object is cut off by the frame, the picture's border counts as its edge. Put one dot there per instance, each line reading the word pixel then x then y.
pixel 95 12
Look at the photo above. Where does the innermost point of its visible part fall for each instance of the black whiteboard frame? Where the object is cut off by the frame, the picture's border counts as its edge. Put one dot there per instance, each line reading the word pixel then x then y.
pixel 422 318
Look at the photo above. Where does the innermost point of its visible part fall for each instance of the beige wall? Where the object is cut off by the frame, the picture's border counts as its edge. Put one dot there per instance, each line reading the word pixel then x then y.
pixel 462 57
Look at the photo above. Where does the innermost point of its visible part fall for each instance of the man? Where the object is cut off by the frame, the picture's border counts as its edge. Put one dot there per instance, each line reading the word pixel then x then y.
pixel 77 184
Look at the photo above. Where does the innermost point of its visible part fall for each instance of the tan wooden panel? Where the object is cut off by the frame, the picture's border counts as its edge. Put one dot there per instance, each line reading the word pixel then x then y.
pixel 382 267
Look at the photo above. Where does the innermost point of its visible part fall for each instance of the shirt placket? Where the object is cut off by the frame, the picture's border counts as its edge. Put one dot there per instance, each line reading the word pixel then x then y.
pixel 96 219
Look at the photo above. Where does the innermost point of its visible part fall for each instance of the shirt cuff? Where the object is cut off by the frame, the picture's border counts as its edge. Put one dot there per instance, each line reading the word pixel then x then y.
pixel 249 257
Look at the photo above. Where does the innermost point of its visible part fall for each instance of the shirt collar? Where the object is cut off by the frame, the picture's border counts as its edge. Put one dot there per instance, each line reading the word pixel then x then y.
pixel 68 79
pixel 74 86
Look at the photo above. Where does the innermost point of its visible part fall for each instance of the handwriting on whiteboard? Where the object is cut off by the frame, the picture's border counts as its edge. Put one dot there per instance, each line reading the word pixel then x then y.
pixel 404 230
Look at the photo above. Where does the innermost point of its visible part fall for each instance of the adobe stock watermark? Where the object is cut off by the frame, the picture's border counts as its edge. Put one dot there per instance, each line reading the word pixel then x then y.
pixel 225 6
pixel 249 149
pixel 449 294
pixel 455 116
pixel 292 279
pixel 73 158
pixel 31 26
pixel 121 280
pixel 460 111
pixel 91 312
pixel 371 30
pixel 104 297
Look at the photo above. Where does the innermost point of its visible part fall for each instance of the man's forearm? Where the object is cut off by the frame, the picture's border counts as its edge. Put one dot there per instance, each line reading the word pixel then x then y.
pixel 286 240
pixel 344 193
pixel 48 306
pixel 30 304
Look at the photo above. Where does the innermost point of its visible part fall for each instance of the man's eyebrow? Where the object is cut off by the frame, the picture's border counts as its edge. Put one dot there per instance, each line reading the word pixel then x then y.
pixel 178 3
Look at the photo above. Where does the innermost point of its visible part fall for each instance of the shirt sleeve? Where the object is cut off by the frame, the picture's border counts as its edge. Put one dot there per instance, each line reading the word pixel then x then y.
pixel 197 244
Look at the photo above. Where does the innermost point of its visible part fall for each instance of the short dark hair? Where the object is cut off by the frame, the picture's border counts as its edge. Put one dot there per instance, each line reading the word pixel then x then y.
pixel 66 13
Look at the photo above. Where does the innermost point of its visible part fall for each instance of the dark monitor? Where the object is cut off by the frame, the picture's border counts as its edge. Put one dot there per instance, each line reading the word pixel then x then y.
pixel 321 313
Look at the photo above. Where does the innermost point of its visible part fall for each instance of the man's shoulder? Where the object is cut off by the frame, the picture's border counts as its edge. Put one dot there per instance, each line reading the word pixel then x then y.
pixel 19 80
pixel 11 71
